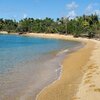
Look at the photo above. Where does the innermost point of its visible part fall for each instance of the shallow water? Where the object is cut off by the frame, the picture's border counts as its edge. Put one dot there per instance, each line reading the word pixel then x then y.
pixel 28 64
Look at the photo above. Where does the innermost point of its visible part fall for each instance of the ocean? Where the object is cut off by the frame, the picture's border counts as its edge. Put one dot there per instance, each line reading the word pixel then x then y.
pixel 28 64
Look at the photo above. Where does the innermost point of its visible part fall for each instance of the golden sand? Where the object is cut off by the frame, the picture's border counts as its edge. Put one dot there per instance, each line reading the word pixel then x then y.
pixel 89 89
pixel 3 32
pixel 49 35
pixel 80 76
pixel 72 72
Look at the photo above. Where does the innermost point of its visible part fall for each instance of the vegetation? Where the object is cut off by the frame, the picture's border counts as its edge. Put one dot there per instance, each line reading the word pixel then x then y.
pixel 80 26
pixel 8 25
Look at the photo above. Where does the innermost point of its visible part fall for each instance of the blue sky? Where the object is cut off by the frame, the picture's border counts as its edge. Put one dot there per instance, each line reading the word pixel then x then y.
pixel 18 9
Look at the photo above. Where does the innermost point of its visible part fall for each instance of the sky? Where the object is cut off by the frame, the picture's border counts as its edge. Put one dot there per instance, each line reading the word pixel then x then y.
pixel 19 9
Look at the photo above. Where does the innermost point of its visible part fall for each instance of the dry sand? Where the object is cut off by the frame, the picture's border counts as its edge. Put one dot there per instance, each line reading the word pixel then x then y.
pixel 49 35
pixel 3 32
pixel 80 76
pixel 89 88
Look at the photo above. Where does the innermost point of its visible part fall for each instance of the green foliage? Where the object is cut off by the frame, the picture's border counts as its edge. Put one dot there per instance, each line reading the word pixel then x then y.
pixel 84 26
pixel 8 25
pixel 80 26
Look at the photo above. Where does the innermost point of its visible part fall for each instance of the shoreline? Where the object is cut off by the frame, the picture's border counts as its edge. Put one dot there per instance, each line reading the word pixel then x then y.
pixel 46 93
pixel 60 89
pixel 6 33
pixel 70 82
pixel 53 36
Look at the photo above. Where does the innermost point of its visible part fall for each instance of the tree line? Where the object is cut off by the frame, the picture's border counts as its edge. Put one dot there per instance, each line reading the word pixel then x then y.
pixel 86 25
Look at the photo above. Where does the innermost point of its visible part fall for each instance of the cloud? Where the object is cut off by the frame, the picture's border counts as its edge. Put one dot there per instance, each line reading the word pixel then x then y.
pixel 89 9
pixel 97 12
pixel 72 6
pixel 71 14
pixel 24 15
pixel 92 8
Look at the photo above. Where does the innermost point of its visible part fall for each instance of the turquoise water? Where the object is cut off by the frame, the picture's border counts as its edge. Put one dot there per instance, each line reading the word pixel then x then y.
pixel 25 61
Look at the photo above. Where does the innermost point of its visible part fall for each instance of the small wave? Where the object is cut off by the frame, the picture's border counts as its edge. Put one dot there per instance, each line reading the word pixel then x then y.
pixel 63 51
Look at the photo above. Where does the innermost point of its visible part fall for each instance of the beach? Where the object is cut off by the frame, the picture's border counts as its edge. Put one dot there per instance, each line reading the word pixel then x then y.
pixel 79 73
pixel 50 50
pixel 89 89
pixel 22 76
pixel 79 78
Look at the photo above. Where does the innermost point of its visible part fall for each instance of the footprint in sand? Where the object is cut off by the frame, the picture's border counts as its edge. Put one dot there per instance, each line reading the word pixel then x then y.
pixel 87 81
pixel 97 89
pixel 89 74
pixel 92 68
pixel 97 73
pixel 88 77
pixel 92 85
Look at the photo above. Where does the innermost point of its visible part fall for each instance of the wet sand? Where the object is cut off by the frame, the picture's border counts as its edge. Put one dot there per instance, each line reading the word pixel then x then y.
pixel 80 74
pixel 72 72
pixel 79 79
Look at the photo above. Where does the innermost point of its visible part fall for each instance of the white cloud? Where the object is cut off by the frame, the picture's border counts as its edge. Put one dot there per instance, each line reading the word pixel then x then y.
pixel 97 12
pixel 72 6
pixel 24 15
pixel 92 8
pixel 71 14
pixel 89 9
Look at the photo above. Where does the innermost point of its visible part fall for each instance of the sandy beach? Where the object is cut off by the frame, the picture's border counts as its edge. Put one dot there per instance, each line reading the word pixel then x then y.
pixel 72 71
pixel 3 32
pixel 80 74
pixel 50 50
pixel 89 89
pixel 52 36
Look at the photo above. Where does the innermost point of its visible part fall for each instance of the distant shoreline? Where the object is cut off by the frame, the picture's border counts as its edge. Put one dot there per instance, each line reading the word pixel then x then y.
pixel 53 36
pixel 6 33
pixel 66 87
pixel 3 32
